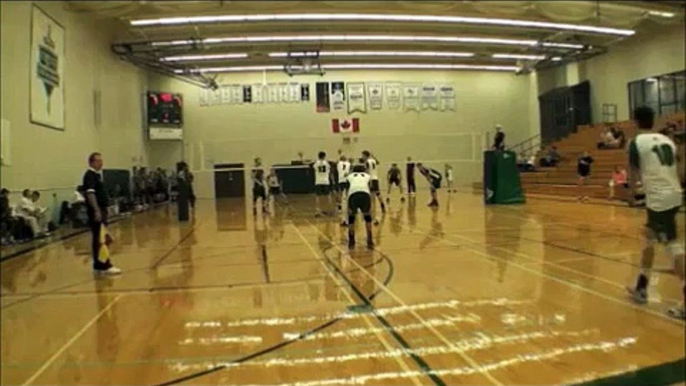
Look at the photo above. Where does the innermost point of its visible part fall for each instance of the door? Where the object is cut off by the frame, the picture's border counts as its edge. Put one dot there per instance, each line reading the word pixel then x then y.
pixel 229 183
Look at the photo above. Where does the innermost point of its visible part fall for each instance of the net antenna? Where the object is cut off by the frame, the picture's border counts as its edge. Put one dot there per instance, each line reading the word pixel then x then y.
pixel 303 63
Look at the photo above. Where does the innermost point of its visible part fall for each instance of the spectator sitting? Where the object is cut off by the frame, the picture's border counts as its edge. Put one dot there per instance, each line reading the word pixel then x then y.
pixel 34 216
pixel 552 157
pixel 618 179
pixel 609 139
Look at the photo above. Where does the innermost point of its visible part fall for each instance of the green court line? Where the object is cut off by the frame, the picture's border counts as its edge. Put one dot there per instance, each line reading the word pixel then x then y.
pixel 668 373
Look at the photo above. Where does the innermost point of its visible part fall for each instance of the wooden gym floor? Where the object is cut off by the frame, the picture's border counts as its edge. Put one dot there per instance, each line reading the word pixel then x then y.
pixel 467 294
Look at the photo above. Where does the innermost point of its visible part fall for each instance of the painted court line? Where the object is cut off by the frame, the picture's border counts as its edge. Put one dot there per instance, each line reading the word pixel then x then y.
pixel 383 340
pixel 431 328
pixel 70 342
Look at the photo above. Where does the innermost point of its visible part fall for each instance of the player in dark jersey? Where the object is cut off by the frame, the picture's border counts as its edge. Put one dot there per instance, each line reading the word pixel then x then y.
pixel 434 178
pixel 394 177
pixel 258 187
pixel 409 174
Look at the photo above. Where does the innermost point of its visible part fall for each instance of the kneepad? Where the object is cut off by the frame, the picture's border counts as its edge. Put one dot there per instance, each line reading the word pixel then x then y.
pixel 367 218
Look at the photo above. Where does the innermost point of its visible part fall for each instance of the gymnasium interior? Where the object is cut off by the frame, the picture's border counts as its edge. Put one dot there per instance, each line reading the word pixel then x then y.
pixel 517 277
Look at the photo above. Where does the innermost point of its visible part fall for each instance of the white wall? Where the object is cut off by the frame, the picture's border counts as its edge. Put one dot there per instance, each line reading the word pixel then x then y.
pixel 54 160
pixel 276 132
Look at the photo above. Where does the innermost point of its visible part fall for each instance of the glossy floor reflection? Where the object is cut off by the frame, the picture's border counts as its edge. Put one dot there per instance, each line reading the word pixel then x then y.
pixel 466 294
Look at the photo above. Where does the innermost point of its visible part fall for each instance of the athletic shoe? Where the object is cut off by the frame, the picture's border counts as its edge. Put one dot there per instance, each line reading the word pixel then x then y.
pixel 677 313
pixel 638 296
pixel 402 199
pixel 433 203
pixel 344 223
pixel 108 271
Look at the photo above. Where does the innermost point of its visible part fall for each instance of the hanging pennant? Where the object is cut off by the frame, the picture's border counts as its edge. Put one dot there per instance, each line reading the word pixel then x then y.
pixel 285 94
pixel 257 93
pixel 323 105
pixel 273 96
pixel 204 97
pixel 375 92
pixel 294 92
pixel 225 95
pixel 411 96
pixel 446 95
pixel 304 92
pixel 357 101
pixel 393 95
pixel 236 94
pixel 429 97
pixel 338 95
pixel 216 97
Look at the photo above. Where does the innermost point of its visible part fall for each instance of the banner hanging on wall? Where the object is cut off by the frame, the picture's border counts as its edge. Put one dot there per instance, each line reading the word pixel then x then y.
pixel 225 95
pixel 216 97
pixel 357 102
pixel 258 93
pixel 393 95
pixel 446 94
pixel 429 97
pixel 322 96
pixel 273 96
pixel 411 97
pixel 304 92
pixel 47 71
pixel 236 94
pixel 247 94
pixel 284 89
pixel 338 95
pixel 375 92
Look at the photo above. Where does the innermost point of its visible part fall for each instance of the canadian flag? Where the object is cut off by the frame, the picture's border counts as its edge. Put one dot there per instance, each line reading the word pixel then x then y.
pixel 347 125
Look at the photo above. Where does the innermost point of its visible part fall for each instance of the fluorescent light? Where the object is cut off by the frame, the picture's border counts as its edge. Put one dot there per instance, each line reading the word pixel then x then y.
pixel 359 67
pixel 305 17
pixel 372 53
pixel 661 14
pixel 355 38
pixel 556 59
pixel 651 80
pixel 562 45
pixel 182 58
pixel 518 56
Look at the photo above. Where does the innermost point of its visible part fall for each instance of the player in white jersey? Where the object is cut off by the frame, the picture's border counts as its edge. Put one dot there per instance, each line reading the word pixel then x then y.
pixel 322 180
pixel 343 169
pixel 359 198
pixel 372 166
pixel 652 160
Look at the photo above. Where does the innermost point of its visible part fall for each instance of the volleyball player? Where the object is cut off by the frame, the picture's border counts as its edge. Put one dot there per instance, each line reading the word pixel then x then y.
pixel 653 160
pixel 343 169
pixel 322 181
pixel 258 187
pixel 394 177
pixel 359 199
pixel 371 164
pixel 434 178
pixel 275 186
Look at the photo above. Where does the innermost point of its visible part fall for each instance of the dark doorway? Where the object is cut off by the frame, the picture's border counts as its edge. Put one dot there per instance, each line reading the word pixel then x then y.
pixel 229 183
pixel 563 109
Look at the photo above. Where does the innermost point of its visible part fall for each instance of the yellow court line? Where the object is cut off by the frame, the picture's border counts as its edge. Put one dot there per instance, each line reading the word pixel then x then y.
pixel 70 342
pixel 542 274
pixel 383 340
pixel 431 328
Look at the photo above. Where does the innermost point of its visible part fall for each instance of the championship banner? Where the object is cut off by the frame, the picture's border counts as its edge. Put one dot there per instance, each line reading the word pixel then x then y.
pixel 236 94
pixel 225 95
pixel 273 94
pixel 294 91
pixel 411 96
pixel 393 95
pixel 258 93
pixel 304 92
pixel 322 96
pixel 247 94
pixel 338 95
pixel 216 97
pixel 429 97
pixel 446 95
pixel 204 97
pixel 285 93
pixel 357 102
pixel 375 92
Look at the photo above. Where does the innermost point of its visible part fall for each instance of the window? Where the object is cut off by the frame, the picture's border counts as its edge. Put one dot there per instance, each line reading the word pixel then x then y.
pixel 664 94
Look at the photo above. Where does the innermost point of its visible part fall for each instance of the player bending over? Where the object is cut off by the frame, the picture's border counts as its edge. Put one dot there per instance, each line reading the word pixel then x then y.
pixel 394 177
pixel 434 178
pixel 371 164
pixel 322 177
pixel 258 187
pixel 653 160
pixel 359 198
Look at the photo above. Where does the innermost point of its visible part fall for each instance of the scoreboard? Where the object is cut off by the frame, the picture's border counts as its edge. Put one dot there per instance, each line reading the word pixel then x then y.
pixel 165 108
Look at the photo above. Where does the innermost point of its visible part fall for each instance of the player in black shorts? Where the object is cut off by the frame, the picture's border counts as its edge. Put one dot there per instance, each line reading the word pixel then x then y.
pixel 258 187
pixel 583 170
pixel 409 174
pixel 434 178
pixel 394 177
pixel 359 199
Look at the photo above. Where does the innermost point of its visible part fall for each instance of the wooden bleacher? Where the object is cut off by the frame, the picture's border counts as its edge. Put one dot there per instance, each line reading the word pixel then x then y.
pixel 562 179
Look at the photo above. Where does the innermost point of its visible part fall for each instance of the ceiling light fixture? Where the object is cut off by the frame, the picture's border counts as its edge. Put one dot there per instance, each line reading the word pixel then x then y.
pixel 356 67
pixel 364 38
pixel 356 17
pixel 661 14
pixel 518 56
pixel 556 59
pixel 183 58
pixel 373 53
